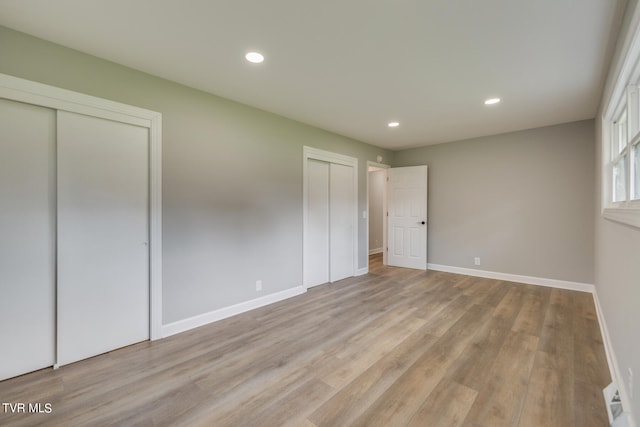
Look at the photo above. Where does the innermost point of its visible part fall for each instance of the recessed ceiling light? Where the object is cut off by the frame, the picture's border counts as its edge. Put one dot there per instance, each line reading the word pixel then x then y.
pixel 254 57
pixel 491 101
pixel 393 124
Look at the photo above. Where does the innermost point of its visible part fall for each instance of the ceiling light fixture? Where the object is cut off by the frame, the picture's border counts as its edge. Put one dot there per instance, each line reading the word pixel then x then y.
pixel 254 57
pixel 491 101
pixel 393 124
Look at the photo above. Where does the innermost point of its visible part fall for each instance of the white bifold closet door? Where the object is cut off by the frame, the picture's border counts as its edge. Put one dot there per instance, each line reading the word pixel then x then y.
pixel 27 238
pixel 103 229
pixel 330 220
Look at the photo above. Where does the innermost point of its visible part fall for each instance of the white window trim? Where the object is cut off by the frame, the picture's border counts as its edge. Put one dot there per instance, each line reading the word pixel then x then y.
pixel 623 94
pixel 629 216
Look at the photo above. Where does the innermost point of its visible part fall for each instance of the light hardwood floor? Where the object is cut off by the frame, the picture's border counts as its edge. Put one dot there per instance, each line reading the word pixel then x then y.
pixel 395 347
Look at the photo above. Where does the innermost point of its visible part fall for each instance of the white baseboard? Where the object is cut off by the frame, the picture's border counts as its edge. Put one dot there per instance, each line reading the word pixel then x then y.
pixel 362 271
pixel 375 251
pixel 530 280
pixel 614 370
pixel 223 313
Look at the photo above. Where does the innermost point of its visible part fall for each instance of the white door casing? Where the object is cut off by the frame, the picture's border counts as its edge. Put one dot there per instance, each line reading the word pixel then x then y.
pixel 27 238
pixel 407 220
pixel 379 166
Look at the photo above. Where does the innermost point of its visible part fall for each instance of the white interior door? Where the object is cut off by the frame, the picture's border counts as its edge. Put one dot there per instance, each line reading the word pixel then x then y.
pixel 27 238
pixel 103 257
pixel 407 221
pixel 341 221
pixel 316 251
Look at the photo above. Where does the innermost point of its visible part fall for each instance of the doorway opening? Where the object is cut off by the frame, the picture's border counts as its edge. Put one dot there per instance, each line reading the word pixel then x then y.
pixel 404 214
pixel 376 210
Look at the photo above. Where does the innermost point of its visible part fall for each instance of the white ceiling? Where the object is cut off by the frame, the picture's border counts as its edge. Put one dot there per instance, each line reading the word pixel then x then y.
pixel 351 66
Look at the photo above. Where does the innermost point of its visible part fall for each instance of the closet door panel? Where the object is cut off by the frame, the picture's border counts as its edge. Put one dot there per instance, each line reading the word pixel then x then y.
pixel 316 251
pixel 27 238
pixel 341 222
pixel 103 258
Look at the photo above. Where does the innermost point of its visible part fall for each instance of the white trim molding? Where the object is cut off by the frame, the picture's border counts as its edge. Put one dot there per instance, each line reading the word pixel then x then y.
pixel 35 93
pixel 384 218
pixel 362 271
pixel 29 92
pixel 529 280
pixel 623 215
pixel 225 312
pixel 328 156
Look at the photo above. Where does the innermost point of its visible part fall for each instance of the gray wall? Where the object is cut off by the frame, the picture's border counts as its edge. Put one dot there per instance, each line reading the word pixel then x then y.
pixel 521 201
pixel 232 177
pixel 376 188
pixel 233 196
pixel 617 266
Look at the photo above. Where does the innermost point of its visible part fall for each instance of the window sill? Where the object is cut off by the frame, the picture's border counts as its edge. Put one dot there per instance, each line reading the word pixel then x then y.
pixel 629 216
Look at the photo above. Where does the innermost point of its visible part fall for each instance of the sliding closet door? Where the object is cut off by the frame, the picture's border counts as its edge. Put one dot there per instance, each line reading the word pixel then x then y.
pixel 330 234
pixel 341 221
pixel 27 238
pixel 316 249
pixel 103 257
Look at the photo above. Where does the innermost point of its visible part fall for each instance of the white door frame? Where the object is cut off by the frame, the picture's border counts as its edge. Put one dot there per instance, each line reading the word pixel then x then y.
pixel 384 211
pixel 30 92
pixel 330 157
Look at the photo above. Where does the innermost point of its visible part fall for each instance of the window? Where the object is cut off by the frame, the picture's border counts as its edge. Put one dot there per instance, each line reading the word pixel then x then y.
pixel 619 158
pixel 621 141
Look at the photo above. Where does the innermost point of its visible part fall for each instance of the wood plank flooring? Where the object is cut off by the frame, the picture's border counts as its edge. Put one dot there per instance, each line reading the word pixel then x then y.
pixel 395 347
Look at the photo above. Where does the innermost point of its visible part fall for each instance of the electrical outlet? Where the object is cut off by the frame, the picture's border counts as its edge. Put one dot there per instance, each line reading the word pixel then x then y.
pixel 258 285
pixel 476 260
pixel 630 383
